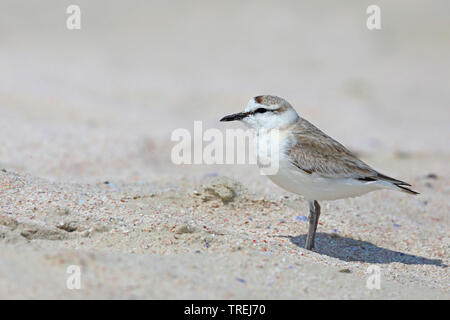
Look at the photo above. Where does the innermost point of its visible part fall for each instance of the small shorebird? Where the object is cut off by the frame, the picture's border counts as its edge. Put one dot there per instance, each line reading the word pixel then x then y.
pixel 311 163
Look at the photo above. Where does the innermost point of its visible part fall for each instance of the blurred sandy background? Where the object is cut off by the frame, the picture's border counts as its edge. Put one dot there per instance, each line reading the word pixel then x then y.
pixel 81 107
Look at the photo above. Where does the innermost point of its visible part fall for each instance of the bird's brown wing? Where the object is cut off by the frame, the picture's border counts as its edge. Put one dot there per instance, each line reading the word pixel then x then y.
pixel 315 152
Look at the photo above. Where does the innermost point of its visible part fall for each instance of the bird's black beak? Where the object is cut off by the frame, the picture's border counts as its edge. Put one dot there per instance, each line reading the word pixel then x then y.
pixel 234 117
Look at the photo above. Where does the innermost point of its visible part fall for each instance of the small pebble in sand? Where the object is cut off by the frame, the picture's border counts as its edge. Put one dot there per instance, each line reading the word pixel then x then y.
pixel 345 271
pixel 8 222
pixel 185 228
pixel 85 233
pixel 99 228
pixel 221 188
pixel 68 226
pixel 37 232
pixel 59 211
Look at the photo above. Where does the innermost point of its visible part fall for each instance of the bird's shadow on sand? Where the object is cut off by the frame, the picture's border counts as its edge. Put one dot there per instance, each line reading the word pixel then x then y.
pixel 348 249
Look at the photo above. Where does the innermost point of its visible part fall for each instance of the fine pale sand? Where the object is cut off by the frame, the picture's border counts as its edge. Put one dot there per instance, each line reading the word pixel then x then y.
pixel 85 153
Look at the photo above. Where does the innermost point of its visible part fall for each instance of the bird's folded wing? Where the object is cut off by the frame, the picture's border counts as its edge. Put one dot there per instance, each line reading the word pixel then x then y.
pixel 326 158
pixel 314 152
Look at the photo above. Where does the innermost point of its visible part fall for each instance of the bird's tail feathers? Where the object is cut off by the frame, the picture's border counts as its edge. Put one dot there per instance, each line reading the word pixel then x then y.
pixel 406 190
pixel 395 184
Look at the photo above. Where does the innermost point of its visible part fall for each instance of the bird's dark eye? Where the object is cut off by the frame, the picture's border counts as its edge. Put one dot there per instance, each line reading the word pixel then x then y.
pixel 261 110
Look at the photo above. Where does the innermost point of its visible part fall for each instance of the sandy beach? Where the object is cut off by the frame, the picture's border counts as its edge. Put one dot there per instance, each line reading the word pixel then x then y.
pixel 87 180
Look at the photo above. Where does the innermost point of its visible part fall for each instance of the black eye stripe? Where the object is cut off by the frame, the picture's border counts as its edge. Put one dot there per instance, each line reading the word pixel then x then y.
pixel 261 110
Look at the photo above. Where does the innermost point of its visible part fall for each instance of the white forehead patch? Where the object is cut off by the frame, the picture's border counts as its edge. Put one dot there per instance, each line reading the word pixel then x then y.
pixel 253 105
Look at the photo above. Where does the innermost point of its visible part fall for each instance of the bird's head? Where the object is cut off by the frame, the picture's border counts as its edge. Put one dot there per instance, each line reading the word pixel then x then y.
pixel 266 112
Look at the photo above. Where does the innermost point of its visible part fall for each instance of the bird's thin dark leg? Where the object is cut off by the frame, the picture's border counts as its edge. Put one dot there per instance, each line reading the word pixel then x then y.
pixel 314 213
